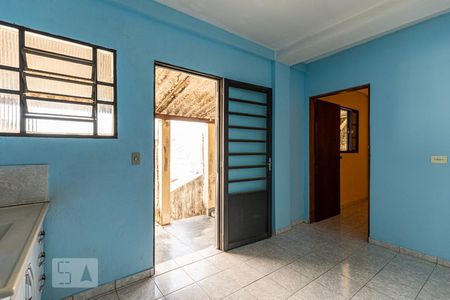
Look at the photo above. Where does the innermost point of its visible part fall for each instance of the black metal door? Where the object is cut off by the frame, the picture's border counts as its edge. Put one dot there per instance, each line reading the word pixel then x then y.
pixel 246 149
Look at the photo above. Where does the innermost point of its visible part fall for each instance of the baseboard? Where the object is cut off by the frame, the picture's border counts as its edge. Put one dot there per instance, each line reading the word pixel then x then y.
pixel 298 222
pixel 286 229
pixel 410 252
pixel 113 286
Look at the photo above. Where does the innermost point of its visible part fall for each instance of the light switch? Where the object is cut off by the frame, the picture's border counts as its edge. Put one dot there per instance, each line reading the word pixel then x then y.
pixel 435 159
pixel 135 158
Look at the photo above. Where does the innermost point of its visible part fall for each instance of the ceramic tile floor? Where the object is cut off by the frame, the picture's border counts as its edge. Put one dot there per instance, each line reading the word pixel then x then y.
pixel 326 260
pixel 183 237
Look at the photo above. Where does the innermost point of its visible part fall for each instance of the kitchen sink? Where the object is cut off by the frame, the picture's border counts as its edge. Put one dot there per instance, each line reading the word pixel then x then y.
pixel 4 229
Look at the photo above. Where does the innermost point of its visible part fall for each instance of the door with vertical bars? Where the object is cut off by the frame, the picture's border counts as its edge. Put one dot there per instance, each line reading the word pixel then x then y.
pixel 246 156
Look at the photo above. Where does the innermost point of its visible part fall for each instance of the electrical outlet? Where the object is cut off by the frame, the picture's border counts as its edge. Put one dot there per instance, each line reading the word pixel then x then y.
pixel 135 158
pixel 442 159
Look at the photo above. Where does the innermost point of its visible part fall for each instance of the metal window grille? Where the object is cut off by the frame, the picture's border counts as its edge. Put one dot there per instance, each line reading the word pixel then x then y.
pixel 55 86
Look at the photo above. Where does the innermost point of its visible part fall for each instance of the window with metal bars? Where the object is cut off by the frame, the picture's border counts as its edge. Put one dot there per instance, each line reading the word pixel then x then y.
pixel 349 130
pixel 54 86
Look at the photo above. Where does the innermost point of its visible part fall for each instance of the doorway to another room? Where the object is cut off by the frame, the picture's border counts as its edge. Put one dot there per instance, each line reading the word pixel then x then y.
pixel 186 144
pixel 340 159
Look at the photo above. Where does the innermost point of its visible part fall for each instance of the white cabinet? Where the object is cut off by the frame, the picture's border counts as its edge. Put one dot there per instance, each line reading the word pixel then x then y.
pixel 33 278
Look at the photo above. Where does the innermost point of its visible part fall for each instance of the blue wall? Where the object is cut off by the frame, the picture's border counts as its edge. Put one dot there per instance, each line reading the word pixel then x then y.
pixel 288 167
pixel 101 205
pixel 281 150
pixel 299 171
pixel 409 74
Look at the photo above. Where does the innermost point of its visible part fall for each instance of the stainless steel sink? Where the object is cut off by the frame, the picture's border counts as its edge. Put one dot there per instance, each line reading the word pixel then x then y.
pixel 4 229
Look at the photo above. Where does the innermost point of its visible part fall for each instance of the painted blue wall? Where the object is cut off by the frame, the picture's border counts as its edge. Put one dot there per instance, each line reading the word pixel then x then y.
pixel 298 113
pixel 101 205
pixel 281 147
pixel 409 73
pixel 288 153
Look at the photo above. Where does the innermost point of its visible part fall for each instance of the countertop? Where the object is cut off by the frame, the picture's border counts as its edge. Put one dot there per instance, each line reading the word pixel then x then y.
pixel 15 246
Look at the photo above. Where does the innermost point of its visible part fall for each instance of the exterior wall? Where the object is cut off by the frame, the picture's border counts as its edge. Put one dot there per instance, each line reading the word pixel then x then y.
pixel 187 200
pixel 355 166
pixel 193 198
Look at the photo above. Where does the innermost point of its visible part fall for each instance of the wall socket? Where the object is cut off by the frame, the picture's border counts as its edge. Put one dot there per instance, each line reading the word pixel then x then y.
pixel 135 158
pixel 441 159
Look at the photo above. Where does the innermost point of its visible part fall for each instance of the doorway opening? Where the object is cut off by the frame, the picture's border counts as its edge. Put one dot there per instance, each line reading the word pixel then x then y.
pixel 340 158
pixel 185 163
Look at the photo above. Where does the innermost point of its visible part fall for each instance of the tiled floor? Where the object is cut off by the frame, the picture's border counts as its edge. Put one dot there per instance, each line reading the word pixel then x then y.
pixel 184 237
pixel 326 260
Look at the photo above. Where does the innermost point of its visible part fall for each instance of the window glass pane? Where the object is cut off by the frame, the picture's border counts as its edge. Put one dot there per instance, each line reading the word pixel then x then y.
pixel 53 65
pixel 252 160
pixel 344 130
pixel 105 120
pixel 246 121
pixel 354 144
pixel 9 113
pixel 246 147
pixel 42 126
pixel 44 85
pixel 354 118
pixel 63 98
pixel 249 134
pixel 247 108
pixel 51 44
pixel 105 93
pixel 237 174
pixel 57 108
pixel 105 66
pixel 246 186
pixel 247 95
pixel 9 51
pixel 9 80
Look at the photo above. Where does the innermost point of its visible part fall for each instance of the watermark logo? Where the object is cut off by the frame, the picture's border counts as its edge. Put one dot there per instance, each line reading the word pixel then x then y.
pixel 74 272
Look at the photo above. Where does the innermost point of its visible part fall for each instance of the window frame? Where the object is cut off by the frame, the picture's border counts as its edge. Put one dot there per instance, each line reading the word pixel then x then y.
pixel 355 149
pixel 21 91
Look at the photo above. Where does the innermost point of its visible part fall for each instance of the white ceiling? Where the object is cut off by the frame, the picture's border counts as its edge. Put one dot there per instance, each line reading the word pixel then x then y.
pixel 304 30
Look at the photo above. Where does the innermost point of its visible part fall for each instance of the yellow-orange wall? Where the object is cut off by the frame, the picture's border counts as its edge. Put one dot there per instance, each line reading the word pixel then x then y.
pixel 355 166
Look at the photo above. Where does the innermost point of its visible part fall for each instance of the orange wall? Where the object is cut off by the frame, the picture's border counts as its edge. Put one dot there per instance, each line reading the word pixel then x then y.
pixel 355 166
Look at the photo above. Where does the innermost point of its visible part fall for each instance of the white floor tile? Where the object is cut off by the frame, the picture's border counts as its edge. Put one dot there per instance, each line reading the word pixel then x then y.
pixel 315 291
pixel 289 279
pixel 241 295
pixel 219 286
pixel 191 292
pixel 200 270
pixel 402 278
pixel 368 294
pixel 145 289
pixel 340 284
pixel 166 267
pixel 267 289
pixel 172 281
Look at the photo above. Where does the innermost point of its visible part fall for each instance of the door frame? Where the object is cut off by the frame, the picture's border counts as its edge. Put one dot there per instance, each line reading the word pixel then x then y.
pixel 219 104
pixel 312 147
